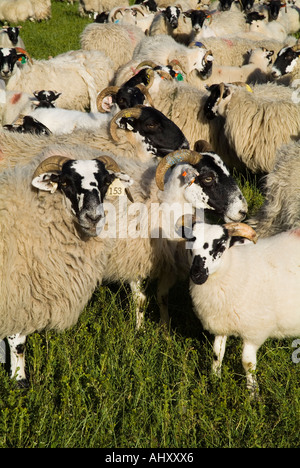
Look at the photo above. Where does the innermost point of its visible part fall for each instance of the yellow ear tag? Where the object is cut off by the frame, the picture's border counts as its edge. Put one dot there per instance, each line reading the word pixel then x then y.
pixel 116 189
pixel 249 89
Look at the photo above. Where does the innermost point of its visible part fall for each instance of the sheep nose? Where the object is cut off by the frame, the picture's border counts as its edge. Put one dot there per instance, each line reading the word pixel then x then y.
pixel 94 218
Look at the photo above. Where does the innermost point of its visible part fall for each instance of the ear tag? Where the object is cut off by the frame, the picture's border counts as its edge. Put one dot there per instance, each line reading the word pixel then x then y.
pixel 192 181
pixel 179 76
pixel 248 88
pixel 22 60
pixel 116 189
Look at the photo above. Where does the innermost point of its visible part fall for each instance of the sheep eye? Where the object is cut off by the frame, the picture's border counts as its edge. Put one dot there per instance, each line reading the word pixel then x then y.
pixel 208 180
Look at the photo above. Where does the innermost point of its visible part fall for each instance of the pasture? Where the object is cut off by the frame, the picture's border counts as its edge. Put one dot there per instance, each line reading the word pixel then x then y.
pixel 103 384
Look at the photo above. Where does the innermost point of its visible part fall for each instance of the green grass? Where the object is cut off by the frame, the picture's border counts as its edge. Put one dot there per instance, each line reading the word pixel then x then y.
pixel 102 384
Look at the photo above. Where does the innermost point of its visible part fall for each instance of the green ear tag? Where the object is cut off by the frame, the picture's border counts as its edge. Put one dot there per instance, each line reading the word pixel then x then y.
pixel 179 77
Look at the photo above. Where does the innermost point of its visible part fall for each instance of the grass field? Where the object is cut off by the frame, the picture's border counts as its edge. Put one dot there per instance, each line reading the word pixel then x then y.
pixel 102 384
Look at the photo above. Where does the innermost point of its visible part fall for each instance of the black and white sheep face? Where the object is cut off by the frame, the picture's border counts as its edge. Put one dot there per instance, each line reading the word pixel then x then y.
pixel 217 100
pixel 8 59
pixel 212 187
pixel 200 60
pixel 285 62
pixel 13 34
pixel 172 13
pixel 208 243
pixel 84 184
pixel 159 134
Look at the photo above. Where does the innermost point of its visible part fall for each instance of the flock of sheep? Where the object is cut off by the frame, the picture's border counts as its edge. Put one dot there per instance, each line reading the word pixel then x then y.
pixel 160 104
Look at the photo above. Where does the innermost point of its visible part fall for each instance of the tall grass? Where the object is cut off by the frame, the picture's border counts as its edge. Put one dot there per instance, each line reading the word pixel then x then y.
pixel 103 384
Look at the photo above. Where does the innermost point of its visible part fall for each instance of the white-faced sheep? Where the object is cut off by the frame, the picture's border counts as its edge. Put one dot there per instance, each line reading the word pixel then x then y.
pixel 257 120
pixel 281 208
pixel 48 244
pixel 78 75
pixel 249 291
pixel 116 41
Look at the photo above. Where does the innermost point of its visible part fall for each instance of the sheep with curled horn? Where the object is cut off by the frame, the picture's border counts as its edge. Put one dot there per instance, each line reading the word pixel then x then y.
pixel 180 183
pixel 58 257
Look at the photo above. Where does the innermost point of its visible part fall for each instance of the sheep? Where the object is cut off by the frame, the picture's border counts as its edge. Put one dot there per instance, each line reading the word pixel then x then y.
pixel 259 29
pixel 257 120
pixel 249 291
pixel 193 181
pixel 257 69
pixel 143 134
pixel 62 121
pixel 78 75
pixel 196 62
pixel 285 69
pixel 12 104
pixel 16 11
pixel 87 7
pixel 281 188
pixel 105 37
pixel 233 51
pixel 222 24
pixel 59 259
pixel 184 105
pixel 9 37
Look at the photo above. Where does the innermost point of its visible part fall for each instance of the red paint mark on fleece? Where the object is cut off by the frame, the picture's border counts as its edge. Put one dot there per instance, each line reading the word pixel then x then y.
pixel 296 232
pixel 16 97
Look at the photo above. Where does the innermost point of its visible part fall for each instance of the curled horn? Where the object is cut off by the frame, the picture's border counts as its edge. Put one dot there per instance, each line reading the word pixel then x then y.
pixel 130 112
pixel 111 165
pixel 110 90
pixel 176 157
pixel 175 63
pixel 241 230
pixel 147 63
pixel 146 93
pixel 137 8
pixel 23 51
pixel 117 10
pixel 51 164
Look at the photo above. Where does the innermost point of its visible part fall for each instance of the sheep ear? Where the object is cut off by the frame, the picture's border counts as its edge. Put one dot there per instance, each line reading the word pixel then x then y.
pixel 45 182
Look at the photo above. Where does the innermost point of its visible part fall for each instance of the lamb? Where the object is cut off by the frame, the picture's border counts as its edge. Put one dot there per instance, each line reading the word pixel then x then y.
pixel 172 22
pixel 267 307
pixel 253 120
pixel 222 24
pixel 58 260
pixel 77 75
pixel 281 208
pixel 62 121
pixel 104 37
pixel 17 11
pixel 260 29
pixel 9 37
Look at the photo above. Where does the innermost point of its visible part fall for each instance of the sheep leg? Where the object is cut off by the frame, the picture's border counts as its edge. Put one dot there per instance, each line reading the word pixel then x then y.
pixel 140 301
pixel 17 359
pixel 219 351
pixel 249 364
pixel 165 283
